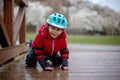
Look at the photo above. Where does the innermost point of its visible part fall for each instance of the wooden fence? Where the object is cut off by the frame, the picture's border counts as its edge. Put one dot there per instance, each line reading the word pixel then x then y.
pixel 11 30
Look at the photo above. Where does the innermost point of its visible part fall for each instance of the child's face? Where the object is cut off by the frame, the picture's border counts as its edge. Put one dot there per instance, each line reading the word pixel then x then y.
pixel 54 31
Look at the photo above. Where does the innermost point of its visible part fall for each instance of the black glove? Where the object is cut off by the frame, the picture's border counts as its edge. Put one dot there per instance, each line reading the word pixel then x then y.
pixel 64 62
pixel 45 62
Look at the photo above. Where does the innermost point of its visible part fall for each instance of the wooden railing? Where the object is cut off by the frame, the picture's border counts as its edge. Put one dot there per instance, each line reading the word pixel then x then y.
pixel 11 29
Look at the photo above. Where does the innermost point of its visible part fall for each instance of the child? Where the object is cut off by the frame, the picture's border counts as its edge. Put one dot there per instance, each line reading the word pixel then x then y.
pixel 49 47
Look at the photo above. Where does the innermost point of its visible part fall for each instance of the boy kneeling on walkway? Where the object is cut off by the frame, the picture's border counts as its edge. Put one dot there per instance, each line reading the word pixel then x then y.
pixel 49 47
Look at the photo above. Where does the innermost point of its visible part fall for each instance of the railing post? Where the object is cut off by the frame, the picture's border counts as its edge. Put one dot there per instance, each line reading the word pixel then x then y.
pixel 8 18
pixel 23 31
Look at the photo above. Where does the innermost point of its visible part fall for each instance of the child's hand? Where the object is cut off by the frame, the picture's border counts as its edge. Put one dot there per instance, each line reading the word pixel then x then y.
pixel 49 68
pixel 64 67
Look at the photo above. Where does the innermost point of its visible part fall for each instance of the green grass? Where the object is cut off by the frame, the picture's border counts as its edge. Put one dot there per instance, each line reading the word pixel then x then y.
pixel 105 40
pixel 85 39
pixel 30 36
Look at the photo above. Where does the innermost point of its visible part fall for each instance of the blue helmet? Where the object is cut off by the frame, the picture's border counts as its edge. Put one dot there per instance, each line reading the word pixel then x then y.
pixel 57 20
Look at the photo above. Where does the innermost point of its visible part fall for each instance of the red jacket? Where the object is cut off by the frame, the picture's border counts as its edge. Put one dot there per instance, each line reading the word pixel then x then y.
pixel 45 45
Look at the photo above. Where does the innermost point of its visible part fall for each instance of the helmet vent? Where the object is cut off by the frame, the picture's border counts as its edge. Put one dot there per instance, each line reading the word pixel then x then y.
pixel 58 20
pixel 54 18
pixel 59 15
pixel 63 21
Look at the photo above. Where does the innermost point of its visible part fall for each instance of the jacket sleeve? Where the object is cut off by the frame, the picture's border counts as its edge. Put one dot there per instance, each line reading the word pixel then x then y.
pixel 64 50
pixel 37 46
pixel 64 55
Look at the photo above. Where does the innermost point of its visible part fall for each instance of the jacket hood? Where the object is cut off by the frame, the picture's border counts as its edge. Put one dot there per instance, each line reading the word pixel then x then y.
pixel 43 31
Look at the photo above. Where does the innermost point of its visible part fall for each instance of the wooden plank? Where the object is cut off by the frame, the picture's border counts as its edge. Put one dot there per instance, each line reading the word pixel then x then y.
pixel 8 18
pixel 89 66
pixel 21 2
pixel 10 52
pixel 83 65
pixel 2 25
pixel 18 22
pixel 22 38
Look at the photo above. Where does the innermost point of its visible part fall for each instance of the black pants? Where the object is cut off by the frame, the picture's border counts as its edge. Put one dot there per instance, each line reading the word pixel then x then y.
pixel 55 59
pixel 31 59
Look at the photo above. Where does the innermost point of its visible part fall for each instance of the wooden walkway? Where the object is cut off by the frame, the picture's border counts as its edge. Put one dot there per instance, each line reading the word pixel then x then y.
pixel 93 63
